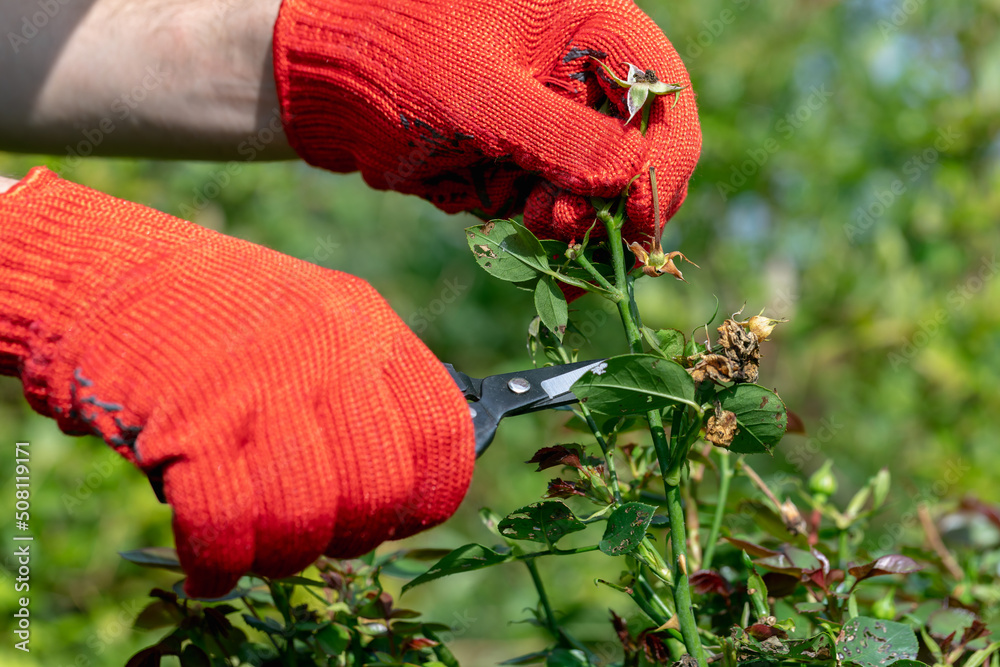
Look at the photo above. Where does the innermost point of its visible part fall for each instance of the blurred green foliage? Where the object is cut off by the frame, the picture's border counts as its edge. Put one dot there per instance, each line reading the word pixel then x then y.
pixel 850 180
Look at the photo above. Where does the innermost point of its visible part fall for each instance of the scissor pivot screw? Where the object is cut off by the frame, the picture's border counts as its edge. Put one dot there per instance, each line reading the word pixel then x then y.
pixel 472 412
pixel 518 385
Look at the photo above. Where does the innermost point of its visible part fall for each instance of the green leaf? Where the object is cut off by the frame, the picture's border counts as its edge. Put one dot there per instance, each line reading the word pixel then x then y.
pixel 541 340
pixel 668 342
pixel 635 384
pixel 626 527
pixel 193 656
pixel 237 592
pixel 551 306
pixel 266 625
pixel 766 519
pixel 410 563
pixel 693 347
pixel 880 488
pixel 507 250
pixel 158 614
pixel 869 642
pixel 463 559
pixel 546 522
pixel 561 657
pixel 857 502
pixel 161 557
pixel 333 639
pixel 529 659
pixel 979 657
pixel 555 251
pixel 443 653
pixel 760 414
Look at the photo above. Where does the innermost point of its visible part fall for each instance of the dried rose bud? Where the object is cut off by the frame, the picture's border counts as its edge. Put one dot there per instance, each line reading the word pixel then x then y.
pixel 794 522
pixel 761 326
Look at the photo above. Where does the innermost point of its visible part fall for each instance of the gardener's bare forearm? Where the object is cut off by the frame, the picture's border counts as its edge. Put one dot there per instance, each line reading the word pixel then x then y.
pixel 159 78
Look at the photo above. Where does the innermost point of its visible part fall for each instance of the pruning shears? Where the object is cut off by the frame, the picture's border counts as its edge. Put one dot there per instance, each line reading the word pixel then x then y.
pixel 497 396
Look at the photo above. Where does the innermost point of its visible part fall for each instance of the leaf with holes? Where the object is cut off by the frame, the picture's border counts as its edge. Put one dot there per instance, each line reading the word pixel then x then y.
pixel 869 642
pixel 463 559
pixel 626 527
pixel 633 384
pixel 760 415
pixel 507 250
pixel 545 522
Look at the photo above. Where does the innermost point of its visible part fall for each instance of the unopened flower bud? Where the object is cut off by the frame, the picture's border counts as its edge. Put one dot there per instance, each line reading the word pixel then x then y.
pixel 823 482
pixel 885 608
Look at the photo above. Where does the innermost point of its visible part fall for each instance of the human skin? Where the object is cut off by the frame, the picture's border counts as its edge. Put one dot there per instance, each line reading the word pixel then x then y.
pixel 183 79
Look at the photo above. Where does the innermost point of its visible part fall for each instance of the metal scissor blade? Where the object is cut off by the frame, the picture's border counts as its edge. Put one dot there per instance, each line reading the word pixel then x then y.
pixel 498 396
pixel 561 385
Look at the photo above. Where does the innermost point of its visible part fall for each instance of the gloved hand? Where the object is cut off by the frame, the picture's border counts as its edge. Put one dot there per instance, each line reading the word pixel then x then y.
pixel 288 411
pixel 480 104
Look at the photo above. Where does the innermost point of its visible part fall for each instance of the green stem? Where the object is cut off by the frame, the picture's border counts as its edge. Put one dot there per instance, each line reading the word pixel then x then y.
pixel 725 475
pixel 607 450
pixel 842 549
pixel 653 603
pixel 613 293
pixel 646 606
pixel 682 591
pixel 625 305
pixel 609 455
pixel 543 598
pixel 667 459
pixel 654 599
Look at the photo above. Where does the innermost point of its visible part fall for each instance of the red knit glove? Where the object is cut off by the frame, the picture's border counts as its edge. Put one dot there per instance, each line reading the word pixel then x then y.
pixel 479 104
pixel 287 409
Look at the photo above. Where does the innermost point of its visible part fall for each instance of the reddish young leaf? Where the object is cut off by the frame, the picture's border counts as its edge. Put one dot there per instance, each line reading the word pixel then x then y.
pixel 560 455
pixel 762 631
pixel 621 629
pixel 891 564
pixel 825 580
pixel 780 585
pixel 710 581
pixel 751 548
pixel 656 651
pixel 975 631
pixel 781 564
pixel 795 424
pixel 560 488
pixel 991 512
pixel 417 643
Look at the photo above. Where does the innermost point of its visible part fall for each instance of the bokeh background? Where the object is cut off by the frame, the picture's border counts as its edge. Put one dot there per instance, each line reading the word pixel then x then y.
pixel 850 181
